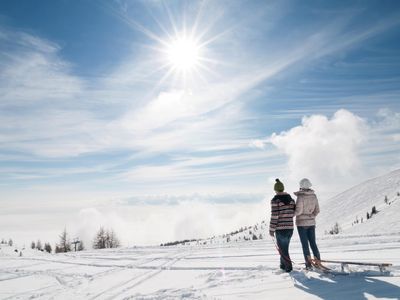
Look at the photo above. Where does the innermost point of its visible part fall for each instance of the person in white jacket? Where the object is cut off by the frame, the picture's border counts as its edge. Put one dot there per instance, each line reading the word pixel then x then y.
pixel 307 208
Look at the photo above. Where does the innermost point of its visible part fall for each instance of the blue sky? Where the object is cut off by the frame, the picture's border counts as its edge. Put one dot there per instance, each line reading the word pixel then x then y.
pixel 96 120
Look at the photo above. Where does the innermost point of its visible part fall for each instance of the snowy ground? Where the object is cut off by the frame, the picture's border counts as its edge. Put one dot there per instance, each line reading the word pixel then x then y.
pixel 232 271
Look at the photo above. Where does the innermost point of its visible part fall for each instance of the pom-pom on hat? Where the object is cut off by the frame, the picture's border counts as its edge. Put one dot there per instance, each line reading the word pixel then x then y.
pixel 279 187
pixel 305 183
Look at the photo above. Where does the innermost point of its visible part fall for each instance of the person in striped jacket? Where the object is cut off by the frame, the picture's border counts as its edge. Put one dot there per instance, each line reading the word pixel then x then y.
pixel 281 224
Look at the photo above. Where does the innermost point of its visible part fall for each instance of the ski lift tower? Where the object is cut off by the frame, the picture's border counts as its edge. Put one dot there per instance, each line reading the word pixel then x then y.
pixel 75 242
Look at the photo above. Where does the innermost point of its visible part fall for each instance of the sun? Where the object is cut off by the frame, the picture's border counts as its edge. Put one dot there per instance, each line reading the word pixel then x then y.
pixel 183 54
pixel 183 57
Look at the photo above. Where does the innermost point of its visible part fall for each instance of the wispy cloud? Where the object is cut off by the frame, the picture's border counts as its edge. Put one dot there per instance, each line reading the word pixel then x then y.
pixel 36 72
pixel 131 128
pixel 32 72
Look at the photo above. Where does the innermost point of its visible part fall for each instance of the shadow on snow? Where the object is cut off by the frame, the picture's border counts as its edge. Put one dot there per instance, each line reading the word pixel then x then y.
pixel 346 287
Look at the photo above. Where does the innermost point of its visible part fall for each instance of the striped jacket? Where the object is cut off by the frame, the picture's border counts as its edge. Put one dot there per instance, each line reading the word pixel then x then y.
pixel 282 212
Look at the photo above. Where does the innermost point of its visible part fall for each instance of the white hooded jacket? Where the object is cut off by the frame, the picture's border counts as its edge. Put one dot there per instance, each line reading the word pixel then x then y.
pixel 307 207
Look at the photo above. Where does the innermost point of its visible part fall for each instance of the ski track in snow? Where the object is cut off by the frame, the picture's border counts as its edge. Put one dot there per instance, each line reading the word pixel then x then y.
pixel 141 278
pixel 247 270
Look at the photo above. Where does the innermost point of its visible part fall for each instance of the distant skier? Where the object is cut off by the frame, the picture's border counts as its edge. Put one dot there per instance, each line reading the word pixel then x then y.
pixel 307 208
pixel 281 224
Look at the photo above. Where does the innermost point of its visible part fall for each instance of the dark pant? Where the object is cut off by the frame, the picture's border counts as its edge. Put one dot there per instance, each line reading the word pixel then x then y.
pixel 307 236
pixel 283 239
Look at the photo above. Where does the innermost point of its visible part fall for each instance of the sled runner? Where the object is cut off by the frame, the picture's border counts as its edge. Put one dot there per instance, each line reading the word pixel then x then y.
pixel 344 264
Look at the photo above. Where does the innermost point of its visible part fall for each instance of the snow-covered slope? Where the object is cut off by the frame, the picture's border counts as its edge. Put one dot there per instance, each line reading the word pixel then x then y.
pixel 243 270
pixel 353 204
pixel 239 265
pixel 345 209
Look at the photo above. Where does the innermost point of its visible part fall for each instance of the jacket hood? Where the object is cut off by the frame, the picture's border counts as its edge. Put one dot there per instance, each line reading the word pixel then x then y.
pixel 284 197
pixel 304 192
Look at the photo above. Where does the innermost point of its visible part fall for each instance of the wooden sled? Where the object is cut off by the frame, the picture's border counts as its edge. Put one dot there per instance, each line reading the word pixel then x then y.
pixel 344 264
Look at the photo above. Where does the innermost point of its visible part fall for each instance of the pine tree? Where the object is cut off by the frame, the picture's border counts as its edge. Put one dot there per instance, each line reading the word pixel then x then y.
pixel 10 242
pixel 106 239
pixel 386 199
pixel 65 244
pixel 335 229
pixel 39 245
pixel 367 215
pixel 374 211
pixel 100 240
pixel 47 247
pixel 112 239
pixel 81 246
pixel 33 245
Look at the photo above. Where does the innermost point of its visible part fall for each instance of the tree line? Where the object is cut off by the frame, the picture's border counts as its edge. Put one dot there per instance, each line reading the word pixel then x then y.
pixel 104 238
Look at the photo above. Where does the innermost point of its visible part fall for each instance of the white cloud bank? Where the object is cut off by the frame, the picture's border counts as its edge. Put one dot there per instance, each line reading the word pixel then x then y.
pixel 186 217
pixel 154 224
pixel 322 149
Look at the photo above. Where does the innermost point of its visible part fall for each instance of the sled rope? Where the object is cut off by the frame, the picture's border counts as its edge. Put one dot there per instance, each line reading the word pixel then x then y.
pixel 280 252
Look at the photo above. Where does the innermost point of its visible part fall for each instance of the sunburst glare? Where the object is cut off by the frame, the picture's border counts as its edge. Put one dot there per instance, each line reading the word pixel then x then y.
pixel 183 54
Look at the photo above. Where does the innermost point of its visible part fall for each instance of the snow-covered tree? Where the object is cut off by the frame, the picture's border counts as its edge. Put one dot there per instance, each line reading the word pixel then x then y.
pixel 10 242
pixel 105 239
pixel 33 245
pixel 112 239
pixel 100 240
pixel 335 229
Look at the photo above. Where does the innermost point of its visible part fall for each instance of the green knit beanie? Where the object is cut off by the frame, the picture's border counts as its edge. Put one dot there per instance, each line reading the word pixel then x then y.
pixel 279 187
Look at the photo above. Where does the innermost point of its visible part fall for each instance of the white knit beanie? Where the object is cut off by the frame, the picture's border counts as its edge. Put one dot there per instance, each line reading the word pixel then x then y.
pixel 305 183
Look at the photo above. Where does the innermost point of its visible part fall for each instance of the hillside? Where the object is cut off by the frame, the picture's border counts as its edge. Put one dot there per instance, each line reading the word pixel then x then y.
pixel 353 204
pixel 345 209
